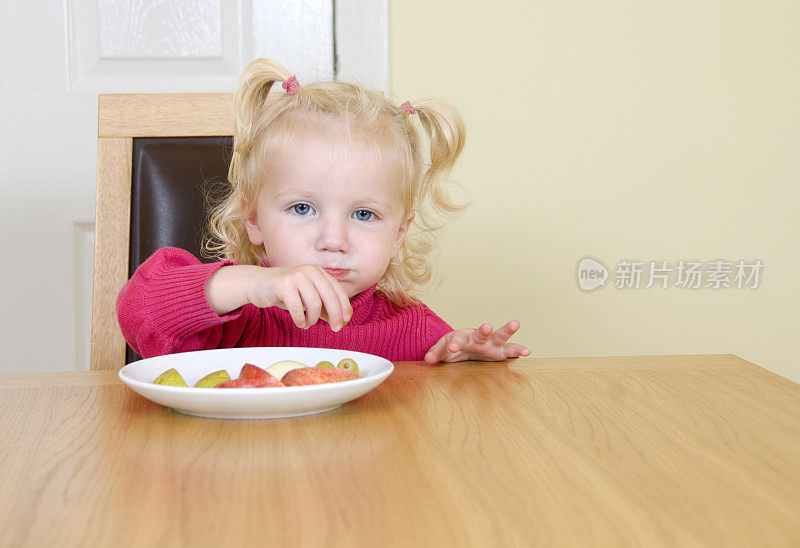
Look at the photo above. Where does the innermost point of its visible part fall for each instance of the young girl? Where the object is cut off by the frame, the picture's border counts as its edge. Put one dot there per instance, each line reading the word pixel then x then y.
pixel 328 216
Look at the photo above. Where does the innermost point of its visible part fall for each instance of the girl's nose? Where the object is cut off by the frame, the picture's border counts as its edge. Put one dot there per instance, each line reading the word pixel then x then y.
pixel 332 235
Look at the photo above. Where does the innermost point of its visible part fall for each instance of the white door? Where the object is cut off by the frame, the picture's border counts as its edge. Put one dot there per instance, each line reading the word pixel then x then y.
pixel 57 56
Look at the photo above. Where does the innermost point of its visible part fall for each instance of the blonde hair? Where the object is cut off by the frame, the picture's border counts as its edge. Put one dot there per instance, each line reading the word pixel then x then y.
pixel 265 123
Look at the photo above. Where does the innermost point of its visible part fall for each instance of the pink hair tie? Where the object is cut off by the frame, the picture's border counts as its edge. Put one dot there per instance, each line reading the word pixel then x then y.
pixel 408 107
pixel 291 85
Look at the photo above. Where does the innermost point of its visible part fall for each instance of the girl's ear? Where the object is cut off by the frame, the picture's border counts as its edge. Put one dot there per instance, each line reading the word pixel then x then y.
pixel 401 233
pixel 253 228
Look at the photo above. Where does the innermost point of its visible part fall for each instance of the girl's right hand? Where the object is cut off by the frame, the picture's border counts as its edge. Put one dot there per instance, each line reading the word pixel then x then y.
pixel 306 291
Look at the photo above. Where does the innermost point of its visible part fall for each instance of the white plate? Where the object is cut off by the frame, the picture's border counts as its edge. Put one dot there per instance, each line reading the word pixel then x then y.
pixel 252 403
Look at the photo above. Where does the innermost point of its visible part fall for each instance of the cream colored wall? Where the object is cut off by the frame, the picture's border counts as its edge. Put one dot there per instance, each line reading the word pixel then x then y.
pixel 618 130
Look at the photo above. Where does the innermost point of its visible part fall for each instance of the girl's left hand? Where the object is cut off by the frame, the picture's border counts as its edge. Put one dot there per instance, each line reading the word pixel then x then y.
pixel 477 344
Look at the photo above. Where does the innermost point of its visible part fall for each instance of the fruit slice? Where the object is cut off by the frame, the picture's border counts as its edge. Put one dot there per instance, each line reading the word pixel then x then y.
pixel 263 382
pixel 250 371
pixel 213 379
pixel 325 364
pixel 279 369
pixel 235 383
pixel 348 364
pixel 170 377
pixel 317 375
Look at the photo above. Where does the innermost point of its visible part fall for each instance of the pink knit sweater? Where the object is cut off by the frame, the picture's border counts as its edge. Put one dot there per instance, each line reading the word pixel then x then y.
pixel 163 309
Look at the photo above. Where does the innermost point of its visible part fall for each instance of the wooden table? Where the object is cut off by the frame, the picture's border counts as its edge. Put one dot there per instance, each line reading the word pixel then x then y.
pixel 649 450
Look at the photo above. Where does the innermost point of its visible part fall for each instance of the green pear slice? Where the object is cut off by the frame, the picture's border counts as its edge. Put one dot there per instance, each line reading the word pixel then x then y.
pixel 213 379
pixel 279 369
pixel 170 377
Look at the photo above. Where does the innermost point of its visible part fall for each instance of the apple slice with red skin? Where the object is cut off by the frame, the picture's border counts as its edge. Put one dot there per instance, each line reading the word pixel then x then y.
pixel 250 371
pixel 262 380
pixel 317 375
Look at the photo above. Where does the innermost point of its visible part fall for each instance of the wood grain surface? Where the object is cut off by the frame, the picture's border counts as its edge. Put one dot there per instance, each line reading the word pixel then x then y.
pixel 165 114
pixel 650 450
pixel 112 242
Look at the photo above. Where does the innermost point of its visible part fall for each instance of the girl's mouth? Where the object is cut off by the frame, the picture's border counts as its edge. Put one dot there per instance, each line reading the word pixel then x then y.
pixel 337 273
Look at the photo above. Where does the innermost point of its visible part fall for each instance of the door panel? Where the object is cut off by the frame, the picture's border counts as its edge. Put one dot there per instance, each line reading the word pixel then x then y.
pixel 59 57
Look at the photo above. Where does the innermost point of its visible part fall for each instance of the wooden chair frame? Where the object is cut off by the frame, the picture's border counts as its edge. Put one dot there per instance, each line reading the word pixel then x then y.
pixel 121 118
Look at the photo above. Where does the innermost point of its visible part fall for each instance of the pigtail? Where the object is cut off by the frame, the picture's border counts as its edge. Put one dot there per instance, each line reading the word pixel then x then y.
pixel 446 132
pixel 252 90
pixel 228 234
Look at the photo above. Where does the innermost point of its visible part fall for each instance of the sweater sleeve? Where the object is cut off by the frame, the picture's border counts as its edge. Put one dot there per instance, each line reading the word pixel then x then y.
pixel 163 308
pixel 435 329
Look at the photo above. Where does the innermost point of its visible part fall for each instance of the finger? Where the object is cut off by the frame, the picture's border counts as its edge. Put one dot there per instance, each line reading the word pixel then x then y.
pixel 434 355
pixel 437 352
pixel 458 341
pixel 311 302
pixel 504 333
pixel 346 307
pixel 510 351
pixel 515 350
pixel 483 332
pixel 291 299
pixel 330 299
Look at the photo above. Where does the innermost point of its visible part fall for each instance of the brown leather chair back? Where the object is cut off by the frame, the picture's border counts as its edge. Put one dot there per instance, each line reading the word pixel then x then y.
pixel 157 155
pixel 170 179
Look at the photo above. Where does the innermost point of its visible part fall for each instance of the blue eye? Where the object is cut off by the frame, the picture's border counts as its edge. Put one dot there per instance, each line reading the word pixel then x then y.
pixel 368 217
pixel 304 208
